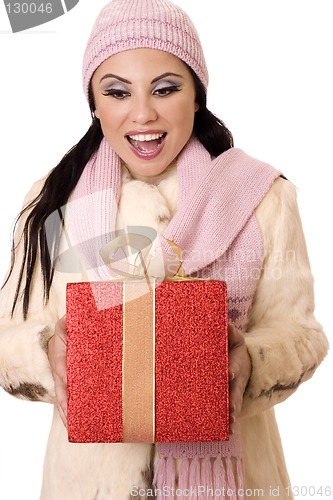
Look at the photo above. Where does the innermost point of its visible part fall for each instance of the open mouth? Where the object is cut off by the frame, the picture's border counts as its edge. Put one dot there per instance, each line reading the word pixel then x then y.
pixel 146 144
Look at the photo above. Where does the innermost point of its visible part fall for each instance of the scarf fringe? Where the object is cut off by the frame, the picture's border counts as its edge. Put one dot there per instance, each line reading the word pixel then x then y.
pixel 206 478
pixel 231 482
pixel 160 477
pixel 170 477
pixel 194 472
pixel 183 477
pixel 219 477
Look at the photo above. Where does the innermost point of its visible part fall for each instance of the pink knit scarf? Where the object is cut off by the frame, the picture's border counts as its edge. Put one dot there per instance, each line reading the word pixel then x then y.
pixel 216 203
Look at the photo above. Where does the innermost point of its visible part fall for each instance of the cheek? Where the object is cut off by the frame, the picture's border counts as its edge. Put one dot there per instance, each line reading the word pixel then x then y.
pixel 110 118
pixel 183 115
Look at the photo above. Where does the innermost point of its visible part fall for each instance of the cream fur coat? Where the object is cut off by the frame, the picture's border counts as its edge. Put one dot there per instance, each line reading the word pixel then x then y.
pixel 285 343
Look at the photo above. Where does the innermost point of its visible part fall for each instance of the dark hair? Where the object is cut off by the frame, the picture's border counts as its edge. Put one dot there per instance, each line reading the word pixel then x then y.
pixel 208 128
pixel 60 183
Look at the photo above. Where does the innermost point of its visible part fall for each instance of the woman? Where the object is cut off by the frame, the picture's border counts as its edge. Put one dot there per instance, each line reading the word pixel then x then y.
pixel 155 156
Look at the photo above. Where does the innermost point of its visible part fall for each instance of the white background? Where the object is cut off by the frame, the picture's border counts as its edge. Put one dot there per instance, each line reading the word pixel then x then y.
pixel 270 68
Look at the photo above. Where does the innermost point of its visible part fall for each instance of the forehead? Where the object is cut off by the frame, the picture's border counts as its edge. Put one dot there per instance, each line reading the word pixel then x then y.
pixel 136 63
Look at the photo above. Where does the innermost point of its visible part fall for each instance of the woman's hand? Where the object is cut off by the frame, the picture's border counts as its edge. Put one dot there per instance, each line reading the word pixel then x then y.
pixel 239 369
pixel 57 357
pixel 239 372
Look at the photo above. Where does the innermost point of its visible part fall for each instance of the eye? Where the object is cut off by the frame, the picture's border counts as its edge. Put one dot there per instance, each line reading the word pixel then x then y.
pixel 165 91
pixel 116 93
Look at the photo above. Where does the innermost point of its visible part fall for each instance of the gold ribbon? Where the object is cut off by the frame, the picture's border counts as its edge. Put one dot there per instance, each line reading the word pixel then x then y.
pixel 138 271
pixel 138 370
pixel 138 357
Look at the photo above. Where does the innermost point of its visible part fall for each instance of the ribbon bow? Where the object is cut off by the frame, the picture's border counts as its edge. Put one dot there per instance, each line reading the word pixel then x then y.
pixel 123 246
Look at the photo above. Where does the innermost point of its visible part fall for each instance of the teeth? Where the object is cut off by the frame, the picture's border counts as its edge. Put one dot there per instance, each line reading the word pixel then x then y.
pixel 146 137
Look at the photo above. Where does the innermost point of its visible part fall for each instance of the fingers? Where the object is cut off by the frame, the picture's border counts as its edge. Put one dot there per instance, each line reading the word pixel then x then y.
pixel 236 341
pixel 60 329
pixel 239 373
pixel 236 392
pixel 57 357
pixel 61 396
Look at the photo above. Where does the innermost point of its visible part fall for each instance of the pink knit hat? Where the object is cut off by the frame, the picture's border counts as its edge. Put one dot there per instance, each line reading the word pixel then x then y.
pixel 131 24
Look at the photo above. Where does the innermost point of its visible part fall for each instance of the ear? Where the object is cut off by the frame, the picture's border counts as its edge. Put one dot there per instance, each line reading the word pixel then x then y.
pixel 196 107
pixel 96 113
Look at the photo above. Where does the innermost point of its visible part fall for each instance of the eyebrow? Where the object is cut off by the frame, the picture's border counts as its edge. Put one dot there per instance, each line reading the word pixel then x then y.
pixel 160 77
pixel 164 75
pixel 111 75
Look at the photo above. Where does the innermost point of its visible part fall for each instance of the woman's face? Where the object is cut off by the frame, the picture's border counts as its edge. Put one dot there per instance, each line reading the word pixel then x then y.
pixel 145 100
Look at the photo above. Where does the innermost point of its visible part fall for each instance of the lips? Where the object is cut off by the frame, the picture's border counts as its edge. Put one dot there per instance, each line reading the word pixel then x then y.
pixel 147 145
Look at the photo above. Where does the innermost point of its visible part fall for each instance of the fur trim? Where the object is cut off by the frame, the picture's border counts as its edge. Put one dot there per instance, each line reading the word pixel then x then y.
pixel 112 471
pixel 142 204
pixel 285 342
pixel 24 367
pixel 150 205
pixel 265 470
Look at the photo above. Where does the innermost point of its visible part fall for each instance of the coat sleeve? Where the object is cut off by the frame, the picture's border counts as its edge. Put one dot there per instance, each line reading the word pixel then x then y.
pixel 24 366
pixel 285 342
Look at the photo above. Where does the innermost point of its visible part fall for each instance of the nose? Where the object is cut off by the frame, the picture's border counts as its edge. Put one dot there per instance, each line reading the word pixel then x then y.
pixel 143 110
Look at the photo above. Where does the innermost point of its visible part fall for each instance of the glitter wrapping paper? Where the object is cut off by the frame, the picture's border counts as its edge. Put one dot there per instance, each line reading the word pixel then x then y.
pixel 127 384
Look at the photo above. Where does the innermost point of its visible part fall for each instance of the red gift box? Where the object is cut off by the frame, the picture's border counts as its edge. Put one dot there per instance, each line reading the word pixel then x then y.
pixel 147 362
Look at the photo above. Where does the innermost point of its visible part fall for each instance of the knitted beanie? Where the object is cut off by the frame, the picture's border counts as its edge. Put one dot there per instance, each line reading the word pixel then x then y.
pixel 131 24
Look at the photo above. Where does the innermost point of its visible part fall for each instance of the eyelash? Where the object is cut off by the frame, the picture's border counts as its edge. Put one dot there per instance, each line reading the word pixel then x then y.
pixel 168 90
pixel 122 94
pixel 117 94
